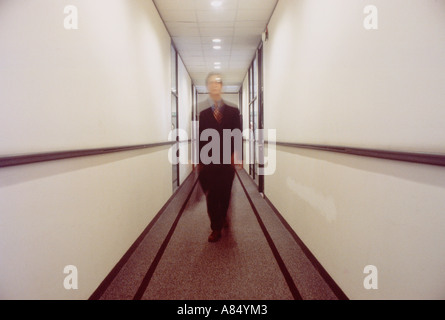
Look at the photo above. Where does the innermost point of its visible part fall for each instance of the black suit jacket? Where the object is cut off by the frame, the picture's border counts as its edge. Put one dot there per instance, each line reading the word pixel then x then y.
pixel 231 120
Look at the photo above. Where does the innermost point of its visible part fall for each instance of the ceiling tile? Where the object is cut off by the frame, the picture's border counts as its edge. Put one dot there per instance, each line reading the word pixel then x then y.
pixel 216 16
pixel 216 32
pixel 249 31
pixel 179 16
pixel 214 24
pixel 179 29
pixel 266 5
pixel 253 15
pixel 226 39
pixel 226 5
pixel 188 40
pixel 246 41
pixel 166 5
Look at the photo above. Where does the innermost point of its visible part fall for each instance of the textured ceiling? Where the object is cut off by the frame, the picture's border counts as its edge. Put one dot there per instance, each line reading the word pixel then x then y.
pixel 193 24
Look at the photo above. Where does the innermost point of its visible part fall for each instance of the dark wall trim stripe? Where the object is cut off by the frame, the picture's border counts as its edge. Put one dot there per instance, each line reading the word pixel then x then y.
pixel 60 155
pixel 422 158
pixel 287 276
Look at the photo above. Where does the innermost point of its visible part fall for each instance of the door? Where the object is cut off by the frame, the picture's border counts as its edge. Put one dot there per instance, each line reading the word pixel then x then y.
pixel 174 111
pixel 256 120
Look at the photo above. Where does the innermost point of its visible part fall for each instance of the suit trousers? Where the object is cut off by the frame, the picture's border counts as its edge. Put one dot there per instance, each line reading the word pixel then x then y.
pixel 216 181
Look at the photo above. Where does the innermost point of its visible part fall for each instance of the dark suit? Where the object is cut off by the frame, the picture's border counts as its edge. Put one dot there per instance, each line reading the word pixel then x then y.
pixel 216 178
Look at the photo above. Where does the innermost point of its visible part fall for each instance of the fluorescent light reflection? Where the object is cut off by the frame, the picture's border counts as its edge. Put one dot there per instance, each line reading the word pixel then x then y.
pixel 216 3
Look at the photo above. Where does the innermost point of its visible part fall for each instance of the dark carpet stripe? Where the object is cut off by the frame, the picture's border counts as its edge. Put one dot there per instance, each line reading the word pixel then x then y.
pixel 292 287
pixel 324 274
pixel 154 264
pixel 117 268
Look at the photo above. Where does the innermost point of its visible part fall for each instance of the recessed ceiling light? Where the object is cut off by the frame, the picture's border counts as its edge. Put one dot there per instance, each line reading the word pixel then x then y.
pixel 216 40
pixel 217 63
pixel 216 47
pixel 217 67
pixel 216 3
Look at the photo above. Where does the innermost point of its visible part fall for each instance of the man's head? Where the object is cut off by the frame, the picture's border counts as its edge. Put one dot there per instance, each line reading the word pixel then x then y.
pixel 214 84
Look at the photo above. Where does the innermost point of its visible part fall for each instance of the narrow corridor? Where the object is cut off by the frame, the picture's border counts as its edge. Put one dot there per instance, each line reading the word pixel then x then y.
pixel 257 258
pixel 337 117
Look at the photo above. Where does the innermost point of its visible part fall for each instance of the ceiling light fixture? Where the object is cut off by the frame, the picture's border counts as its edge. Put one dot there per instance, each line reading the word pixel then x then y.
pixel 216 40
pixel 216 3
pixel 216 47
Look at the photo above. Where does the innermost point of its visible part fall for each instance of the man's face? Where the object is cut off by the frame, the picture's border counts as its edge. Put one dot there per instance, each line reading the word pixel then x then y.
pixel 215 85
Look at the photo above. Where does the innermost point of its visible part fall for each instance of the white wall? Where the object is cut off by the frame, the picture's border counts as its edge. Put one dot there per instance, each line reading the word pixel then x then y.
pixel 345 85
pixel 106 84
pixel 85 212
pixel 330 81
pixel 101 85
pixel 352 212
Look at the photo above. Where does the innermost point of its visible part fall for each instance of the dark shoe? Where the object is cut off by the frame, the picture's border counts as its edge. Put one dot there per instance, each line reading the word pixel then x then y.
pixel 215 236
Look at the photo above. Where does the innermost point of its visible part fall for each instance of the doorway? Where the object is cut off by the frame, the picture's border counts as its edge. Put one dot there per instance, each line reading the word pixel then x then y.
pixel 256 119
